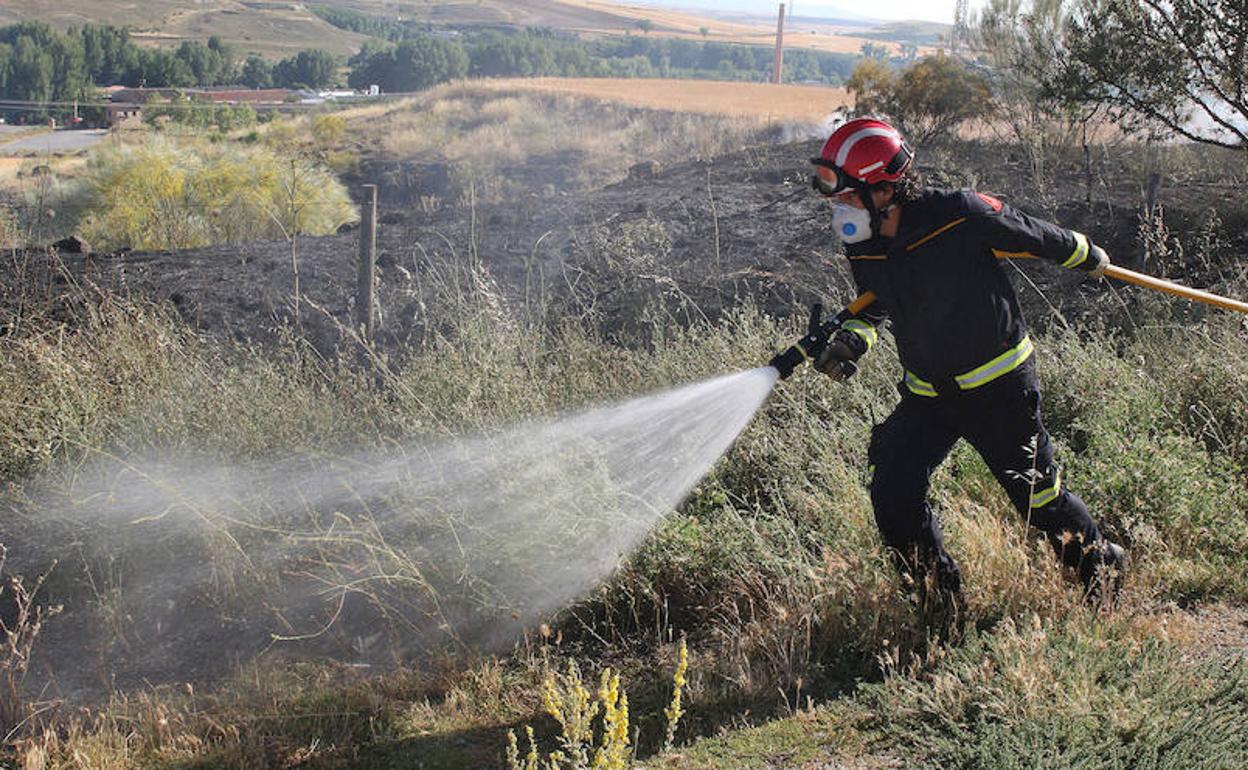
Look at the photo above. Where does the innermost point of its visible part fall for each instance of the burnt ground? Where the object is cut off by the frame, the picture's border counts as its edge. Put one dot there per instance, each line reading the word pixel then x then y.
pixel 742 226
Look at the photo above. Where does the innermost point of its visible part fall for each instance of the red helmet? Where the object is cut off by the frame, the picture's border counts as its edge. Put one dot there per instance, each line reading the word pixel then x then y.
pixel 860 153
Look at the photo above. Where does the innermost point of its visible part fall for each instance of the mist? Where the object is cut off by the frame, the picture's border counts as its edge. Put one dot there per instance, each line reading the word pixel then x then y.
pixel 180 568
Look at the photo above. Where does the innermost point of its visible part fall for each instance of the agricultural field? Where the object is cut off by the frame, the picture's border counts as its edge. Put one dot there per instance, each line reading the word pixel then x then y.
pixel 784 104
pixel 268 543
pixel 278 29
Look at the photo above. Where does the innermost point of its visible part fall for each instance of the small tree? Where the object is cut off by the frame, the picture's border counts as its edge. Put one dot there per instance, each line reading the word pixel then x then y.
pixel 1023 43
pixel 167 195
pixel 936 95
pixel 872 84
pixel 874 51
pixel 928 99
pixel 328 129
pixel 257 73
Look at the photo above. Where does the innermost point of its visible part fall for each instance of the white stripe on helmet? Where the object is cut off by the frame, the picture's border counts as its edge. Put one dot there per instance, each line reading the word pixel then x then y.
pixel 868 169
pixel 842 154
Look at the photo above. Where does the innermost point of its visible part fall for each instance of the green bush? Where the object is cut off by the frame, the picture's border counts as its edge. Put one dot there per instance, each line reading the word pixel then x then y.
pixel 928 99
pixel 1051 694
pixel 164 194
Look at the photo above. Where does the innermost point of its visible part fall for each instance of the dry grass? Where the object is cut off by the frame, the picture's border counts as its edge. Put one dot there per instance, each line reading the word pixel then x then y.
pixel 809 104
pixel 503 139
pixel 773 566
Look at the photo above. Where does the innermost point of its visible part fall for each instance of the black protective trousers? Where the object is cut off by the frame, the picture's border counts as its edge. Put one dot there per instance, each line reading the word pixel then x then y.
pixel 1002 421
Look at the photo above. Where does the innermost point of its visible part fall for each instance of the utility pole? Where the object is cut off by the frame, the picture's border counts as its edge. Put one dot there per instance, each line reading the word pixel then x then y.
pixel 961 26
pixel 778 69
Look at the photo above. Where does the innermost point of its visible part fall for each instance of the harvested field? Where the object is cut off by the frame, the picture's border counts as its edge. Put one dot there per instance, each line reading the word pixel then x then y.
pixel 807 104
pixel 669 23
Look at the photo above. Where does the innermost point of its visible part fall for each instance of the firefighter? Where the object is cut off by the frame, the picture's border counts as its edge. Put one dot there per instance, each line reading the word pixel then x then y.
pixel 933 259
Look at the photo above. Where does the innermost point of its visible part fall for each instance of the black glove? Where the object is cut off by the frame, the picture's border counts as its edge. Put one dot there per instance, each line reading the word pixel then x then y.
pixel 839 360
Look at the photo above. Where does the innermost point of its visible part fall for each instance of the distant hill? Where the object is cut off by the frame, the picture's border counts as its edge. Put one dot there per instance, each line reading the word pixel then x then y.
pixel 272 28
pixel 278 28
pixel 917 32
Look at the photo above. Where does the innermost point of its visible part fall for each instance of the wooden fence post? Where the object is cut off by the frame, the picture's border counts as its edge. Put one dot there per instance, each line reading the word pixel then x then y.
pixel 365 305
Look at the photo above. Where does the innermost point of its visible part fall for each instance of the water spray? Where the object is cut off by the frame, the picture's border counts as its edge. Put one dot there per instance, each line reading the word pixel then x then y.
pixel 370 556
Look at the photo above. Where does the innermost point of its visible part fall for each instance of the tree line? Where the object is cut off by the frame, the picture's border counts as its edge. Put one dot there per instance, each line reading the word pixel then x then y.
pixel 545 52
pixel 415 59
pixel 40 64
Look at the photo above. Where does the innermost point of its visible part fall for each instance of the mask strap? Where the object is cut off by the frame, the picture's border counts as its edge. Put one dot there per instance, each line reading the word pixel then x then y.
pixel 877 215
pixel 864 195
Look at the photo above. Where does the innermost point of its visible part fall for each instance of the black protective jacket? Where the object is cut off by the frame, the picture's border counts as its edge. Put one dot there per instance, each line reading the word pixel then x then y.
pixel 942 284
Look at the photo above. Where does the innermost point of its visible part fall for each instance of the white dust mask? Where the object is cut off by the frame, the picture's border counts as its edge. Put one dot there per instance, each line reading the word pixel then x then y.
pixel 851 223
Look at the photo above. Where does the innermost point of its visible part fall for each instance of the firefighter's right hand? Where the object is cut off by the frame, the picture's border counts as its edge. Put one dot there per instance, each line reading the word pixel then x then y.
pixel 839 358
pixel 1100 261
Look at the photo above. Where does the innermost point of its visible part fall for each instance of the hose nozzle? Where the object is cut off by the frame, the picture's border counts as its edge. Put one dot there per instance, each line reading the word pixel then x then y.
pixel 818 332
pixel 807 348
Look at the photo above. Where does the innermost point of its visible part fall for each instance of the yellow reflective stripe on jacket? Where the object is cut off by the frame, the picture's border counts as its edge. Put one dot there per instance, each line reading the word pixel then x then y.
pixel 1042 497
pixel 1002 364
pixel 919 387
pixel 862 329
pixel 1081 251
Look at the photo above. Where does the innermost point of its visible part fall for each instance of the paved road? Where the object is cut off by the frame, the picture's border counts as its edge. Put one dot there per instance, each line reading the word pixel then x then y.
pixel 54 142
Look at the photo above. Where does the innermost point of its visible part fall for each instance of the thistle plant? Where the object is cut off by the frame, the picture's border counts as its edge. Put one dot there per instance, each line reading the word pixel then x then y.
pixel 612 753
pixel 567 700
pixel 674 711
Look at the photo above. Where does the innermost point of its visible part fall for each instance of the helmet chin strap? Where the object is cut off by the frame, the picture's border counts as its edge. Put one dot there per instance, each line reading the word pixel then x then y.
pixel 877 214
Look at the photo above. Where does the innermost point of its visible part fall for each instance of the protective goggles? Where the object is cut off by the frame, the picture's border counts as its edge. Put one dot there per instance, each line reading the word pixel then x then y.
pixel 830 180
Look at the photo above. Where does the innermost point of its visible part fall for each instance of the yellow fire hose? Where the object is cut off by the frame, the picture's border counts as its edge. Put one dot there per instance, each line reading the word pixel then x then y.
pixel 1169 287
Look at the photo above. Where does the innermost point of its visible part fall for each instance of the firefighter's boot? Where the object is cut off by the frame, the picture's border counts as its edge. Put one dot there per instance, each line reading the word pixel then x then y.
pixel 1102 570
pixel 935 585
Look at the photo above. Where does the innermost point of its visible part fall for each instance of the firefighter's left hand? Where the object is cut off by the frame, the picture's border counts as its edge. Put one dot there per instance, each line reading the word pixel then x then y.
pixel 1100 262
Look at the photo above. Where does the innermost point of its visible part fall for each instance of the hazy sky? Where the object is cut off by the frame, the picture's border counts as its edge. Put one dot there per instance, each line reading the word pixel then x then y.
pixel 926 10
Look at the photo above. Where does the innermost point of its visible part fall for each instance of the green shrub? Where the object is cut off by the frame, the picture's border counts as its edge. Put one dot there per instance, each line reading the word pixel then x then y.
pixel 1056 694
pixel 168 195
